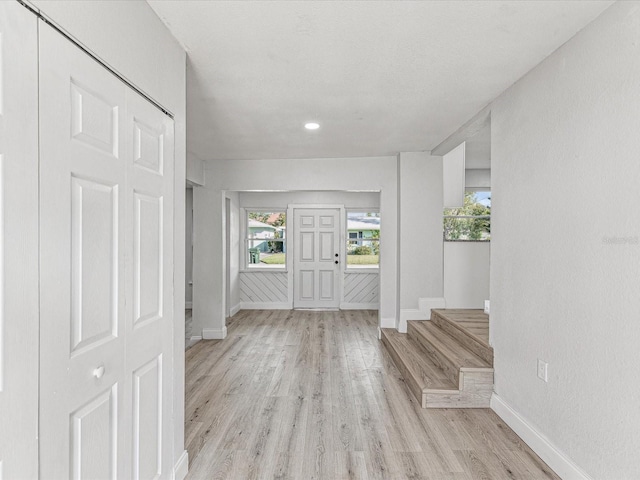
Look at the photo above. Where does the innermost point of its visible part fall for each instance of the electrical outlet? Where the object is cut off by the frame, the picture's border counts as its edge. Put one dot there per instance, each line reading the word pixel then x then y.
pixel 543 373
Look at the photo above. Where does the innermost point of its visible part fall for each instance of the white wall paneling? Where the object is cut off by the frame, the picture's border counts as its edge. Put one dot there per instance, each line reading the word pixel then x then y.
pixel 18 243
pixel 264 287
pixel 361 289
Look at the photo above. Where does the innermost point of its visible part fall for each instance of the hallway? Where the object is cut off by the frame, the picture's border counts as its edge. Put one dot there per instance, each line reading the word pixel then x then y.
pixel 302 395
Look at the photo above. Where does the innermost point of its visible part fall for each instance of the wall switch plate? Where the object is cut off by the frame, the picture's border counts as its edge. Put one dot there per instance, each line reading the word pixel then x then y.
pixel 543 370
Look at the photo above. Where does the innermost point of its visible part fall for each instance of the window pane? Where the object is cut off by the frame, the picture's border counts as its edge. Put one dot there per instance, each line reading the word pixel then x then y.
pixel 472 222
pixel 266 233
pixel 363 244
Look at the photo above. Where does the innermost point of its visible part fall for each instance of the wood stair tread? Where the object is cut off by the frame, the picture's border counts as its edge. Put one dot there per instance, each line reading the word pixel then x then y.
pixel 457 355
pixel 470 328
pixel 472 322
pixel 422 370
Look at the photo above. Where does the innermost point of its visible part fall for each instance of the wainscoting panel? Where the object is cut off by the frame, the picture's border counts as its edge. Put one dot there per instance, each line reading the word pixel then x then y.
pixel 361 289
pixel 264 287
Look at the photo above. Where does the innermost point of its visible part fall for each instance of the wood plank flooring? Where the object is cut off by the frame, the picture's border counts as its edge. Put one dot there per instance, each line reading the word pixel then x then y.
pixel 314 395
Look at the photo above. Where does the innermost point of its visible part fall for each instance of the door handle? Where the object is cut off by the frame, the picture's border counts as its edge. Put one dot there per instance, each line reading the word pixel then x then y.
pixel 336 262
pixel 99 371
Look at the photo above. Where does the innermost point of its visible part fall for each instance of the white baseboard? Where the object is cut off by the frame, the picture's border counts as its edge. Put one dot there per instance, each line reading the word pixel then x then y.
pixel 235 309
pixel 359 306
pixel 547 451
pixel 195 338
pixel 188 305
pixel 407 314
pixel 214 333
pixel 181 467
pixel 426 304
pixel 266 306
pixel 387 323
pixel 379 333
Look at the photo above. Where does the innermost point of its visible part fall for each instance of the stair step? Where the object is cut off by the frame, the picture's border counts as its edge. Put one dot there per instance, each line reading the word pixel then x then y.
pixel 449 355
pixel 422 376
pixel 429 383
pixel 468 327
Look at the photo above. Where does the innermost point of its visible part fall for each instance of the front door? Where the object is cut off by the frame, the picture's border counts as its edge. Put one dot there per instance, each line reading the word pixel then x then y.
pixel 106 233
pixel 316 263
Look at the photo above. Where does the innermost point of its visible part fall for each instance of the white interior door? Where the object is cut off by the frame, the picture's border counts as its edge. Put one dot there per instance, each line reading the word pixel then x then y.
pixel 18 243
pixel 106 240
pixel 316 265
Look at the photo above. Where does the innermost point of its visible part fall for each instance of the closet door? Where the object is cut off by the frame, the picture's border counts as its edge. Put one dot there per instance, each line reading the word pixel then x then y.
pixel 18 243
pixel 149 285
pixel 106 228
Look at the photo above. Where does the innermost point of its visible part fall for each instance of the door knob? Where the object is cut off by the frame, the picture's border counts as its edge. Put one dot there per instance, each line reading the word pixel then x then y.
pixel 99 372
pixel 336 262
pixel 336 254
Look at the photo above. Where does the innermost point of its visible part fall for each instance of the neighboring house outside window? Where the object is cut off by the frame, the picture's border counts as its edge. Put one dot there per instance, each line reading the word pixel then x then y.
pixel 265 239
pixel 363 239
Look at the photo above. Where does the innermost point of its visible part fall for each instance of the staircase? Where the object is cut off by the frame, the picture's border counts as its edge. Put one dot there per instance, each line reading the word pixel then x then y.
pixel 444 364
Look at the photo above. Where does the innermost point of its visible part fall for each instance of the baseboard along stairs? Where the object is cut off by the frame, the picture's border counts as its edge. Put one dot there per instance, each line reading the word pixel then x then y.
pixel 446 362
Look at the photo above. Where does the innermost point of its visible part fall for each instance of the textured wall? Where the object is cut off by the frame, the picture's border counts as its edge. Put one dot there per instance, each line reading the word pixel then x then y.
pixel 420 232
pixel 565 259
pixel 466 274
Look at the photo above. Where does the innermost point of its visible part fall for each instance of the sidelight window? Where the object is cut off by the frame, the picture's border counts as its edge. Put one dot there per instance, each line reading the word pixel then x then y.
pixel 363 239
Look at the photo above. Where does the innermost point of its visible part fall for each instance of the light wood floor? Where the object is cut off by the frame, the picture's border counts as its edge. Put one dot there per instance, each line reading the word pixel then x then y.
pixel 313 395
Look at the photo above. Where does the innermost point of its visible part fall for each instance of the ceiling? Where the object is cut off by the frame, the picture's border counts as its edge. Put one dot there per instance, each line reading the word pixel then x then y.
pixel 379 76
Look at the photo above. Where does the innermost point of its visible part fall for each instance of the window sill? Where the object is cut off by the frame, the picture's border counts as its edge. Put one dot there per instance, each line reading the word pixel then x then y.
pixel 264 270
pixel 363 269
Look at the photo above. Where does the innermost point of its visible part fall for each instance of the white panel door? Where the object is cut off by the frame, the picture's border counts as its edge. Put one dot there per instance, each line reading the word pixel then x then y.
pixel 18 243
pixel 316 257
pixel 106 228
pixel 149 287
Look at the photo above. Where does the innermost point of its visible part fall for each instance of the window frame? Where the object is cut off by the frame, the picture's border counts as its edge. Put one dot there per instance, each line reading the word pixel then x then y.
pixel 244 238
pixel 359 239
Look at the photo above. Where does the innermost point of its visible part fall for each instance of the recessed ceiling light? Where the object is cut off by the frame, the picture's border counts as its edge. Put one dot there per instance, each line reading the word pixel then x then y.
pixel 312 126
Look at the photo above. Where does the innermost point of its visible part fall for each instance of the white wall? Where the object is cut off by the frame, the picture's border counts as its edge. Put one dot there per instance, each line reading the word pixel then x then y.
pixel 466 274
pixel 282 199
pixel 188 296
pixel 129 37
pixel 477 178
pixel 195 170
pixel 236 243
pixel 355 174
pixel 420 232
pixel 565 266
